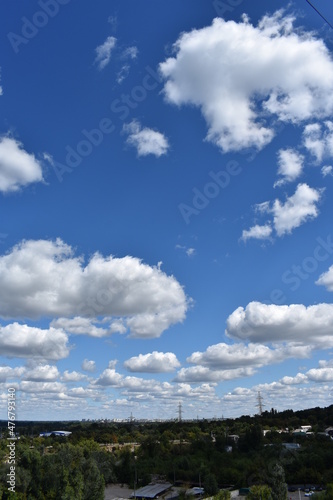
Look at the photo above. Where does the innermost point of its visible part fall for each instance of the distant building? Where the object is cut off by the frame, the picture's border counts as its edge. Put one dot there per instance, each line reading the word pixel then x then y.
pixel 55 433
pixel 195 492
pixel 291 446
pixel 233 437
pixel 151 490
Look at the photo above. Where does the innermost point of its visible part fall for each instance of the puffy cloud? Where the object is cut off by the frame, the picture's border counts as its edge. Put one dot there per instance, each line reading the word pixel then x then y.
pixel 236 72
pixel 299 379
pixel 222 356
pixel 151 325
pixel 82 392
pixel 297 209
pixel 155 362
pixel 318 139
pixel 72 376
pixel 88 365
pixel 290 165
pixel 42 373
pixel 326 279
pixel 324 363
pixel 257 232
pixel 17 167
pixel 320 374
pixel 146 140
pixel 304 326
pixel 103 52
pixel 8 372
pixel 139 389
pixel 226 362
pixel 22 341
pixel 85 326
pixel 197 374
pixel 44 278
pixel 37 387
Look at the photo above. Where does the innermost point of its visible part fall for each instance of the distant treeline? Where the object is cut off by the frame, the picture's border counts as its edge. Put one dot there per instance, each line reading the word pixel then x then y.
pixel 211 453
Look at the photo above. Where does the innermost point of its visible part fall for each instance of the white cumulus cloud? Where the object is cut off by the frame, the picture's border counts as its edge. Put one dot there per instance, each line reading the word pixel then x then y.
pixel 155 362
pixel 237 72
pixel 17 167
pixel 326 279
pixel 226 362
pixel 86 326
pixel 72 376
pixel 257 232
pixel 88 365
pixel 42 373
pixel 146 140
pixel 320 374
pixel 296 210
pixel 290 165
pixel 196 374
pixel 44 279
pixel 22 341
pixel 6 372
pixel 296 324
pixel 318 139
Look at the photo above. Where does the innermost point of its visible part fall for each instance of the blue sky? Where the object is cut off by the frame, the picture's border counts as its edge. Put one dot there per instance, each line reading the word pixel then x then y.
pixel 165 191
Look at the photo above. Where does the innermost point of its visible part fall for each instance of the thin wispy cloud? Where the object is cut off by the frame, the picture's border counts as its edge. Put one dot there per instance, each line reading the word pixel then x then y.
pixel 103 52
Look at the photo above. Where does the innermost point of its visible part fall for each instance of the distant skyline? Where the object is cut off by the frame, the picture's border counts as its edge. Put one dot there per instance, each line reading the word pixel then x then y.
pixel 166 175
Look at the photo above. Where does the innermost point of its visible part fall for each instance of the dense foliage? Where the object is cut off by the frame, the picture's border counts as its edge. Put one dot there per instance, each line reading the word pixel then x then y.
pixel 189 453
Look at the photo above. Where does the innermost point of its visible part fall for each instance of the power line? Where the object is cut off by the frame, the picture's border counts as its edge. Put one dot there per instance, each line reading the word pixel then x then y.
pixel 321 15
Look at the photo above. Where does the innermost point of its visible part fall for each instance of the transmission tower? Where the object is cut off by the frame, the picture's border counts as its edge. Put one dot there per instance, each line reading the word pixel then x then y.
pixel 180 412
pixel 260 403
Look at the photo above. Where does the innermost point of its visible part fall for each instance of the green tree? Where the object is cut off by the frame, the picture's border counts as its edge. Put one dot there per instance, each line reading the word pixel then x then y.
pixel 93 481
pixel 260 492
pixel 223 495
pixel 278 484
pixel 210 484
